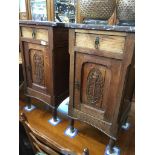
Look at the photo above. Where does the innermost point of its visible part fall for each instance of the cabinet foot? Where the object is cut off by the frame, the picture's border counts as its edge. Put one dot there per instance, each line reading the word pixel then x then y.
pixel 115 151
pixel 71 131
pixel 111 149
pixel 126 126
pixel 54 120
pixel 29 108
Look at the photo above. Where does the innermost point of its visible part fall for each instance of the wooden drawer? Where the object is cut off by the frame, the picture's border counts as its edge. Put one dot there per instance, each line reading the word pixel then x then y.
pixel 99 41
pixel 34 33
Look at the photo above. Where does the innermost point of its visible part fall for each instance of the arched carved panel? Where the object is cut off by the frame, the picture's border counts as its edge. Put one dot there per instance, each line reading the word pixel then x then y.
pixel 39 68
pixel 93 77
pixel 37 62
pixel 95 84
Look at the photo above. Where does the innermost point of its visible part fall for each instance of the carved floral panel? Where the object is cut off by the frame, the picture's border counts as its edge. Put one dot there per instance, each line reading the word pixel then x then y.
pixel 93 78
pixel 37 61
pixel 94 86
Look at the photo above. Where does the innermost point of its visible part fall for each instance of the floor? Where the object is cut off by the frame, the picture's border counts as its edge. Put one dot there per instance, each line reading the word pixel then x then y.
pixel 87 136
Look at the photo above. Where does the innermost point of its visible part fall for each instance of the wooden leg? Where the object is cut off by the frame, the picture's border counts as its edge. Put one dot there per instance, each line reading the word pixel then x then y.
pixel 126 125
pixel 71 131
pixel 126 120
pixel 28 100
pixel 55 114
pixel 54 120
pixel 72 125
pixel 111 145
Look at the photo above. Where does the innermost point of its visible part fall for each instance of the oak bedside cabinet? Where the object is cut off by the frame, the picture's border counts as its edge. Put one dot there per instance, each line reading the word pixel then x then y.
pixel 44 47
pixel 101 76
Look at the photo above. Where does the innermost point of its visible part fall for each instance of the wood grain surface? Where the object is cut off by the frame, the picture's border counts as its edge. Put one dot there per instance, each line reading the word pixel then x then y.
pixel 41 34
pixel 107 43
pixel 88 136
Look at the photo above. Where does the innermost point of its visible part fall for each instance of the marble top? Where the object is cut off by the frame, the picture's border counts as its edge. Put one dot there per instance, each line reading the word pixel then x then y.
pixel 102 27
pixel 41 23
pixel 81 26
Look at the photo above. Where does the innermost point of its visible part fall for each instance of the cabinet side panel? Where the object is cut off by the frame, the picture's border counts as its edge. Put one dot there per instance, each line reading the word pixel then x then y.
pixel 61 64
pixel 128 91
pixel 127 60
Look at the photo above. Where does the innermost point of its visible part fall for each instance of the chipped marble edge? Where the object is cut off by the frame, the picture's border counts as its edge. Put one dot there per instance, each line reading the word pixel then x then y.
pixel 101 27
pixel 41 23
pixel 81 26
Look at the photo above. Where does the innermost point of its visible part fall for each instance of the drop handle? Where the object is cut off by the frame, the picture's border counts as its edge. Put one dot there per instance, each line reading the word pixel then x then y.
pixel 33 33
pixel 97 42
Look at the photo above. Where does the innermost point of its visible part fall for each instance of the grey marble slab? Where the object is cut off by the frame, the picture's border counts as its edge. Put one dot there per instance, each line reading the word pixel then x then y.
pixel 101 27
pixel 41 23
pixel 81 26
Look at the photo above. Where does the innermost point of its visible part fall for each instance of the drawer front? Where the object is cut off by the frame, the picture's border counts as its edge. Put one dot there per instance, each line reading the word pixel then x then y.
pixel 102 42
pixel 34 33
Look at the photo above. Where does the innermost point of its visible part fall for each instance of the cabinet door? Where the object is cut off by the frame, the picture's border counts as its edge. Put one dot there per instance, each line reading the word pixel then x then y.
pixel 95 85
pixel 37 67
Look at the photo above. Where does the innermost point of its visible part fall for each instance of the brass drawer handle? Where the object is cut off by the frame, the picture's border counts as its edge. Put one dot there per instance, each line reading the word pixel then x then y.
pixel 97 42
pixel 33 33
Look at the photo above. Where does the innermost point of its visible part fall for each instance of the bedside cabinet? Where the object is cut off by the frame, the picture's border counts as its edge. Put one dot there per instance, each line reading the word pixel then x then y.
pixel 45 57
pixel 101 78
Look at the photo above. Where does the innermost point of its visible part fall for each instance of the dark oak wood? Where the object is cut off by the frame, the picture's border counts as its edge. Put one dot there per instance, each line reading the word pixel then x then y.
pixel 45 63
pixel 88 136
pixel 101 81
pixel 111 145
pixel 72 125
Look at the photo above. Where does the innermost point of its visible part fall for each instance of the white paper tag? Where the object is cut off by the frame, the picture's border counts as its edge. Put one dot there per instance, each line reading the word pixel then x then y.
pixel 43 42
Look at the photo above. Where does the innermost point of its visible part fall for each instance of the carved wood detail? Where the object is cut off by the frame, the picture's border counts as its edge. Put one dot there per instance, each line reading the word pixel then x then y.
pixel 38 61
pixel 103 126
pixel 95 84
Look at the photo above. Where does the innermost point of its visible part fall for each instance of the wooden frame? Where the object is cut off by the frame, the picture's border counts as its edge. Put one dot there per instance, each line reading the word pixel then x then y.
pixel 49 10
pixel 26 14
pixel 78 17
